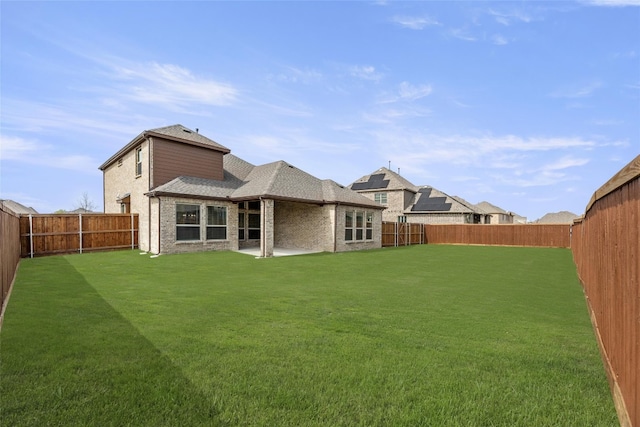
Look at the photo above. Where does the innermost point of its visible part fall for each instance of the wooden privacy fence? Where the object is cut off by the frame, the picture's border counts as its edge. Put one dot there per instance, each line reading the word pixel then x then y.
pixel 606 250
pixel 72 233
pixel 541 235
pixel 402 233
pixel 9 253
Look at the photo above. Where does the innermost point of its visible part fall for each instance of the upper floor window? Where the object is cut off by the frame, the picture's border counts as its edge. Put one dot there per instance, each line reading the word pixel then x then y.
pixel 138 161
pixel 380 198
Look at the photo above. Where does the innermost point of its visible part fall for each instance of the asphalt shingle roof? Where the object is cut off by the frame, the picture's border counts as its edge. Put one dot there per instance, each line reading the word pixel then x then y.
pixel 278 180
pixel 183 133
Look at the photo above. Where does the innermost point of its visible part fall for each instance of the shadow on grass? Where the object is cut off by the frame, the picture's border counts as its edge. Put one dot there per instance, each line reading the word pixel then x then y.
pixel 68 358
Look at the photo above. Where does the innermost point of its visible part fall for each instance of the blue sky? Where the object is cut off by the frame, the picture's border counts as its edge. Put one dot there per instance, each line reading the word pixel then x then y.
pixel 528 105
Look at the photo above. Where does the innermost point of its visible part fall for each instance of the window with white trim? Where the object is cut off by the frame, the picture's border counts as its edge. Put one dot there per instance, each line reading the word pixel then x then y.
pixel 358 226
pixel 138 161
pixel 380 198
pixel 348 226
pixel 187 222
pixel 216 223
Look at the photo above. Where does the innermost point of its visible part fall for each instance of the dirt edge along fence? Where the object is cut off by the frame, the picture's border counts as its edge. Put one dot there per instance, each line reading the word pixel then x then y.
pixel 606 247
pixel 52 234
pixel 9 253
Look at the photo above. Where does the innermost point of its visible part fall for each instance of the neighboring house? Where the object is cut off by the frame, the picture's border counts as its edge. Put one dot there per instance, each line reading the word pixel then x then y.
pixel 496 215
pixel 563 217
pixel 517 219
pixel 192 194
pixel 406 202
pixel 17 208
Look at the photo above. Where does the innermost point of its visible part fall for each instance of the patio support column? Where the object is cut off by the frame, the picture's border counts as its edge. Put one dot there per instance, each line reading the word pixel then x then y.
pixel 266 228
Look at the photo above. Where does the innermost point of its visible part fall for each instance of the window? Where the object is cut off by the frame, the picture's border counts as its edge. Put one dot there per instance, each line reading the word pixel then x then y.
pixel 249 220
pixel 241 225
pixel 381 198
pixel 138 161
pixel 369 229
pixel 358 225
pixel 253 227
pixel 348 226
pixel 187 222
pixel 216 223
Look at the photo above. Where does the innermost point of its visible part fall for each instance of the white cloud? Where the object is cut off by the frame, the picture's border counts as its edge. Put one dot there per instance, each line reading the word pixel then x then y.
pixel 582 91
pixel 415 22
pixel 167 85
pixel 32 152
pixel 508 18
pixel 365 72
pixel 407 92
pixel 612 3
pixel 499 40
pixel 297 75
pixel 462 34
pixel 564 163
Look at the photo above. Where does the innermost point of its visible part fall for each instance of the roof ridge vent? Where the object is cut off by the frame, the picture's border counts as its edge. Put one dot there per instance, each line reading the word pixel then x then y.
pixel 186 130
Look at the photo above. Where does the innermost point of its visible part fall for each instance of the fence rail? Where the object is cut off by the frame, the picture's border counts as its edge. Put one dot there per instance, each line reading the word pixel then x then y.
pixel 76 233
pixel 606 248
pixel 541 235
pixel 9 254
pixel 402 234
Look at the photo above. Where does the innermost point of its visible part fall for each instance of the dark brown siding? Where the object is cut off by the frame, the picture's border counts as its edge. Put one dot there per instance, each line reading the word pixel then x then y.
pixel 172 159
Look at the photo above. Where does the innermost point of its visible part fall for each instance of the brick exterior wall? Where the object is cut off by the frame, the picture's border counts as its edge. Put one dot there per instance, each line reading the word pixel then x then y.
pixel 119 179
pixel 438 218
pixel 304 226
pixel 168 242
pixel 344 246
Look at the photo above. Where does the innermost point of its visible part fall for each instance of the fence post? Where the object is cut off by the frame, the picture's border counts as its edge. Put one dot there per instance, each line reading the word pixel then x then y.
pixel 132 232
pixel 395 236
pixel 31 235
pixel 80 219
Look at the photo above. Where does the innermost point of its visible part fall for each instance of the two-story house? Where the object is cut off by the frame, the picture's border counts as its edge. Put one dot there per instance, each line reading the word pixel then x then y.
pixel 192 194
pixel 406 202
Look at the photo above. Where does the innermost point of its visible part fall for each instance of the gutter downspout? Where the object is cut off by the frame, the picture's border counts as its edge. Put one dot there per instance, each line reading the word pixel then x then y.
pixel 335 228
pixel 159 226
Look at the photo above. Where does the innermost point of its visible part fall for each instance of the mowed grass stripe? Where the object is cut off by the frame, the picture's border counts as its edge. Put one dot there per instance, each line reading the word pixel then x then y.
pixel 423 335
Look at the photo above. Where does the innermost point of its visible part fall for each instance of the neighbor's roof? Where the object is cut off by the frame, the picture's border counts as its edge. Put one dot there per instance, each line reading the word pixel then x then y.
pixel 177 133
pixel 17 208
pixel 383 179
pixel 563 217
pixel 431 200
pixel 489 208
pixel 278 180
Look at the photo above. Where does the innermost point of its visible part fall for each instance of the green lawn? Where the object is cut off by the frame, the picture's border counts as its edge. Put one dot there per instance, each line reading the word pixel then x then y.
pixel 426 335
